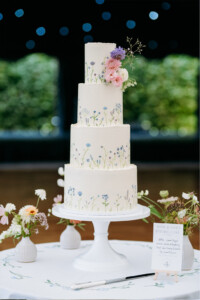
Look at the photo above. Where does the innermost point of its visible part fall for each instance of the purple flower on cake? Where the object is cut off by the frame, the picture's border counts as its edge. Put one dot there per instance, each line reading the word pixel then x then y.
pixel 88 145
pixel 118 53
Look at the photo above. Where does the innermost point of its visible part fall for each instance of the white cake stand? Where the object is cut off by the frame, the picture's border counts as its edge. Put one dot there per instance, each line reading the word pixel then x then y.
pixel 101 257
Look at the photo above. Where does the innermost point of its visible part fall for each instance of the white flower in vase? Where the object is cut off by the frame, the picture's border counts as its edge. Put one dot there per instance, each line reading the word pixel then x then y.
pixel 10 207
pixel 182 213
pixel 41 194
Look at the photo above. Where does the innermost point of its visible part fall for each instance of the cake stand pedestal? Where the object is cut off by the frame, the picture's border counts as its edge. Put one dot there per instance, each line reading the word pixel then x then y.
pixel 101 256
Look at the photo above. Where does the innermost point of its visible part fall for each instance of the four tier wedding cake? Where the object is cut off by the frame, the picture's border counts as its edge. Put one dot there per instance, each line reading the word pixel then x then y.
pixel 99 177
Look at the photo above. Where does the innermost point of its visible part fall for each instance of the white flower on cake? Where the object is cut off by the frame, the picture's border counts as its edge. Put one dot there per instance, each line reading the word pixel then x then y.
pixel 10 207
pixel 123 73
pixel 41 194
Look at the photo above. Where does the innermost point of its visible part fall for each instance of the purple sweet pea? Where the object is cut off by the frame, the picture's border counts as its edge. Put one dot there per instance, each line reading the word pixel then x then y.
pixel 118 53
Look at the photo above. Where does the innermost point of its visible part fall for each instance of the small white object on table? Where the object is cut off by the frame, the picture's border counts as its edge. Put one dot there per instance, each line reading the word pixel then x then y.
pixel 53 273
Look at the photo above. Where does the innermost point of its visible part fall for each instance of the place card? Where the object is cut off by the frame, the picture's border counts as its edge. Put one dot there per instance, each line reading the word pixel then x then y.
pixel 167 247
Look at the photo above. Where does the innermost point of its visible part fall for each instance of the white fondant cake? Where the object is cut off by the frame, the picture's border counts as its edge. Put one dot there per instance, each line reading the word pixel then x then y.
pixel 99 178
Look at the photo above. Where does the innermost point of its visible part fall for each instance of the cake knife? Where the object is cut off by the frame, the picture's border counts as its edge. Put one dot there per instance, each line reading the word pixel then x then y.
pixel 88 284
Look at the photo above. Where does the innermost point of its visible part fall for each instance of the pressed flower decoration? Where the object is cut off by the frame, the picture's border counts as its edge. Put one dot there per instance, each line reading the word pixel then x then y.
pixel 26 221
pixel 177 210
pixel 58 200
pixel 119 67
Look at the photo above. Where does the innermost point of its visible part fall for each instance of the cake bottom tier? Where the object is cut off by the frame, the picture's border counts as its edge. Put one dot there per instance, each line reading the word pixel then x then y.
pixel 100 191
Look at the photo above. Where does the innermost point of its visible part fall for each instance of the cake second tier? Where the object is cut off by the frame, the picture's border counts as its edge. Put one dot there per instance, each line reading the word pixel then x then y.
pixel 99 105
pixel 100 147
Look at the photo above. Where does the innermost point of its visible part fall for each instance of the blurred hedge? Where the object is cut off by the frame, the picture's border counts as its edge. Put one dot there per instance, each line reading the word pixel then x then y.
pixel 165 98
pixel 28 92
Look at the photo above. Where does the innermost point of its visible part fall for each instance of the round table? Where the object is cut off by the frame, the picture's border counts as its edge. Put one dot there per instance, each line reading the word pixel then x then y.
pixel 52 275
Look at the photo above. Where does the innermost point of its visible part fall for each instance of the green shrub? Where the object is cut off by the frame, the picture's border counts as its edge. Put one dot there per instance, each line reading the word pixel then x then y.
pixel 165 98
pixel 28 92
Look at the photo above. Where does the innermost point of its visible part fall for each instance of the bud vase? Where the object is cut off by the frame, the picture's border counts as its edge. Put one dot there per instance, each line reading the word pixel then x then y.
pixel 25 250
pixel 70 238
pixel 188 254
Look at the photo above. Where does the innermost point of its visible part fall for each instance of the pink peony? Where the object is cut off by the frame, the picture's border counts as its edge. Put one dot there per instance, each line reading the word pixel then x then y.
pixel 113 64
pixel 110 75
pixel 117 81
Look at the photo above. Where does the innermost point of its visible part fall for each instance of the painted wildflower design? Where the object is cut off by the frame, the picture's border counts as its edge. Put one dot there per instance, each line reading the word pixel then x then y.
pixel 99 202
pixel 103 117
pixel 107 159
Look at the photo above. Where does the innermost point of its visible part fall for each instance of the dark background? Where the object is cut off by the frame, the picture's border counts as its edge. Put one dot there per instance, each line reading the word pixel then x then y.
pixel 175 31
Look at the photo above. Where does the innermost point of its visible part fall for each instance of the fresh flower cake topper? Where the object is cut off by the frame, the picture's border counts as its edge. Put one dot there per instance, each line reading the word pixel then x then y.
pixel 120 61
pixel 25 222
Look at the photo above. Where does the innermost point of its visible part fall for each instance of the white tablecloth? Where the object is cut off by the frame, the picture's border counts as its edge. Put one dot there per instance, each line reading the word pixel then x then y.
pixel 51 276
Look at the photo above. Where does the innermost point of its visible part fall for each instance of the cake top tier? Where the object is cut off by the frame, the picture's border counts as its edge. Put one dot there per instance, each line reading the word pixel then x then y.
pixel 95 56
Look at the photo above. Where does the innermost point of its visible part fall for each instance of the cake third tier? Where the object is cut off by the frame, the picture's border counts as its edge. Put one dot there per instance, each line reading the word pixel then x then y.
pixel 100 147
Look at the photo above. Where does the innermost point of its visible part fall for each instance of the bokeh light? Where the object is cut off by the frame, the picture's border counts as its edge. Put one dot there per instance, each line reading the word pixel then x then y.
pixel 1 16
pixel 64 30
pixel 99 1
pixel 166 5
pixel 30 44
pixel 87 27
pixel 153 15
pixel 41 31
pixel 88 39
pixel 153 45
pixel 19 13
pixel 130 24
pixel 106 15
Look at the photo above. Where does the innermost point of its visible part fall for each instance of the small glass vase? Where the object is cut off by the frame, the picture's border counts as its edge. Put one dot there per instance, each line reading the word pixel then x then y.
pixel 188 254
pixel 70 238
pixel 25 251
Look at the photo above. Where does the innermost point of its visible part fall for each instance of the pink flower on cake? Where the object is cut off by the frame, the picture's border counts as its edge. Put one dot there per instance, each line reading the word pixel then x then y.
pixel 117 81
pixel 110 75
pixel 113 64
